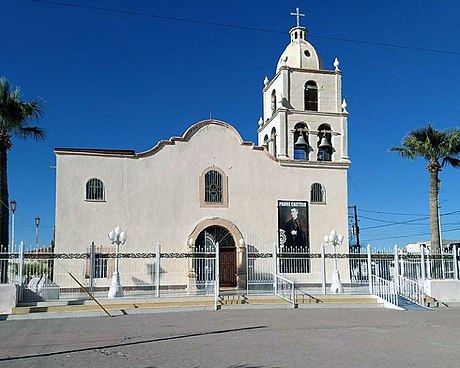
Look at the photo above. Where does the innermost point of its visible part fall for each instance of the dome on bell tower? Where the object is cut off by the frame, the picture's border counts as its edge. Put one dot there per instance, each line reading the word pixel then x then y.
pixel 300 53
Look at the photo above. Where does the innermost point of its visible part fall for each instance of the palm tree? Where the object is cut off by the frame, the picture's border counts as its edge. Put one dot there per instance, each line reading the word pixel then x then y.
pixel 440 148
pixel 14 117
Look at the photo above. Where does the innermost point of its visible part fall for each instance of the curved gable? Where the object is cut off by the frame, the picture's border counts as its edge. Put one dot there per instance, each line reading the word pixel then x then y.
pixel 189 134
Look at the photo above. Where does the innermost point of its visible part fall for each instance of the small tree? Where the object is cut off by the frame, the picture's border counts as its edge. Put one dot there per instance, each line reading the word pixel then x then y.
pixel 14 117
pixel 440 148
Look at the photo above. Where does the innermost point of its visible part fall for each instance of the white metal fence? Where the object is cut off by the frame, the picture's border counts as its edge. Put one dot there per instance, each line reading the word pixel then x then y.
pixel 44 275
pixel 384 289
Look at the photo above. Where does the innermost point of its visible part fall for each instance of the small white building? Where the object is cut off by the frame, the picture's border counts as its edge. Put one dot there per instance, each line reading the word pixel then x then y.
pixel 211 184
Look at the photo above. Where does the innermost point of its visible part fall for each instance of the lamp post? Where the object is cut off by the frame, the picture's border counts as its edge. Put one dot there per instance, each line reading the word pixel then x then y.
pixel 335 240
pixel 13 205
pixel 117 236
pixel 37 222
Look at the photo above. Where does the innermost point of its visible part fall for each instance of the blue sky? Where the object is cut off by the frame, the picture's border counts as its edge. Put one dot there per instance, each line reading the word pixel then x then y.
pixel 123 81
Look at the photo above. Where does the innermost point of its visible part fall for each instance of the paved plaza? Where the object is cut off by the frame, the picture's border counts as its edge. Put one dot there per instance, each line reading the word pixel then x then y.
pixel 244 338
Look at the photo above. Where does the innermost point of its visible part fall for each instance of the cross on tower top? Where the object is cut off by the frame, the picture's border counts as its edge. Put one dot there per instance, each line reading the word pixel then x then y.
pixel 298 15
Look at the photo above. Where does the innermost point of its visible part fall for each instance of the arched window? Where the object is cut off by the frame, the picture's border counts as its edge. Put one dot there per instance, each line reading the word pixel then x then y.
pixel 213 188
pixel 273 142
pixel 317 193
pixel 273 101
pixel 311 96
pixel 94 190
pixel 301 146
pixel 324 143
pixel 266 141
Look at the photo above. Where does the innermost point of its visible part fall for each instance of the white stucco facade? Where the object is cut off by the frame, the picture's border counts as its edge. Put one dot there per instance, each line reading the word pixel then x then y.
pixel 158 195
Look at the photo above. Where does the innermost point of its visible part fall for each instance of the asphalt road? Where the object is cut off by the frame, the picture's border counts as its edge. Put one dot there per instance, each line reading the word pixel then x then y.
pixel 238 338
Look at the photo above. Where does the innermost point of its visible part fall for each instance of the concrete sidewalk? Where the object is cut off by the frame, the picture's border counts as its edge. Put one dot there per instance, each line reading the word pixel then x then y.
pixel 231 338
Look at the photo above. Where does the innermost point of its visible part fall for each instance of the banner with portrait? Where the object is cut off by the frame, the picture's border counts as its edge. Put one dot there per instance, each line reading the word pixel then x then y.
pixel 293 239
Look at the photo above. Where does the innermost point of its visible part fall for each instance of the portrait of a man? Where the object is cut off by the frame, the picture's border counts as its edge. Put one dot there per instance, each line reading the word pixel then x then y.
pixel 294 243
pixel 295 230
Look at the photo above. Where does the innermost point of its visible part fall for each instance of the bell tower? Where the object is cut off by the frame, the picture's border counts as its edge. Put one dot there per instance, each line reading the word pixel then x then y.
pixel 304 117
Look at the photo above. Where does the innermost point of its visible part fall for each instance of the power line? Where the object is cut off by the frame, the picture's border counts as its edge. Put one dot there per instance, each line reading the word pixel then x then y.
pixel 128 12
pixel 408 236
pixel 395 222
pixel 216 24
pixel 393 213
pixel 408 214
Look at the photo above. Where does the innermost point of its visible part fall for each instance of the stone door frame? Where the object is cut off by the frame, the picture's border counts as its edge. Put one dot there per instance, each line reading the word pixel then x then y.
pixel 239 243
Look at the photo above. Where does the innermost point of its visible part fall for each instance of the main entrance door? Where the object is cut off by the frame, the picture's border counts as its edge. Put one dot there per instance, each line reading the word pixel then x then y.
pixel 209 238
pixel 227 266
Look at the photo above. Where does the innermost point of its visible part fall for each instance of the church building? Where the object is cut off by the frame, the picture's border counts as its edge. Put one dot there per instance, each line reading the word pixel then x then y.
pixel 210 185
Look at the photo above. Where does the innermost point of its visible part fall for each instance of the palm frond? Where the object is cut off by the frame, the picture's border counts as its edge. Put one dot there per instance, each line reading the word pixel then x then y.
pixel 403 152
pixel 31 132
pixel 452 161
pixel 433 145
pixel 15 113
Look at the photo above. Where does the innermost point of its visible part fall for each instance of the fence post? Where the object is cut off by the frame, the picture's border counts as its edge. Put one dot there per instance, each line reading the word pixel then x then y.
pixel 323 269
pixel 157 269
pixel 275 265
pixel 369 268
pixel 92 267
pixel 396 269
pixel 456 275
pixel 21 270
pixel 217 278
pixel 422 264
pixel 248 274
pixel 429 268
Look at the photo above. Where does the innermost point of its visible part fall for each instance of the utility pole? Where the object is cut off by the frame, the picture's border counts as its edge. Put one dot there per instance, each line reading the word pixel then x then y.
pixel 355 246
pixel 356 228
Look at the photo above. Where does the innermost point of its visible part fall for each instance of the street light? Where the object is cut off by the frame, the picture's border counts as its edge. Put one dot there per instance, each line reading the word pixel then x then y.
pixel 335 240
pixel 117 236
pixel 37 222
pixel 13 205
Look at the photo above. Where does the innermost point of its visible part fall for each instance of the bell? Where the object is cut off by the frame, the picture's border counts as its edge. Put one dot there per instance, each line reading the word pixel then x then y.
pixel 300 141
pixel 324 143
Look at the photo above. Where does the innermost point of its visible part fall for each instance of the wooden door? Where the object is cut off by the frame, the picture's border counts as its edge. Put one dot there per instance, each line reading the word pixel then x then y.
pixel 227 266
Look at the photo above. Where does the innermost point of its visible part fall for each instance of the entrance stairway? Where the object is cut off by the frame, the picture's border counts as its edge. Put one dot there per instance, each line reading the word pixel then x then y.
pixel 302 301
pixel 227 300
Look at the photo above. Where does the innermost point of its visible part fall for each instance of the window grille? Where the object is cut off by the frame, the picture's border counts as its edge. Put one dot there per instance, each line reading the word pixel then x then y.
pixel 213 187
pixel 101 266
pixel 316 193
pixel 94 190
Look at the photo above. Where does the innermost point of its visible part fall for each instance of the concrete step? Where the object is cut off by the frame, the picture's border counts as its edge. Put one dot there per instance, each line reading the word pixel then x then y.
pixel 227 300
pixel 434 303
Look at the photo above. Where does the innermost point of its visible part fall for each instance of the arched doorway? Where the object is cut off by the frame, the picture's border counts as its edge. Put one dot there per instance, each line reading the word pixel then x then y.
pixel 206 241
